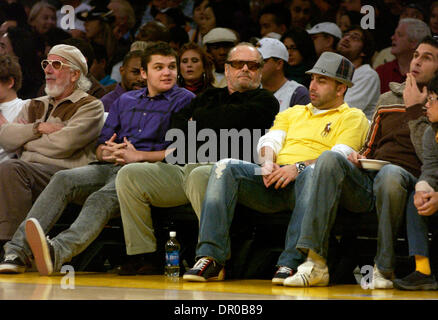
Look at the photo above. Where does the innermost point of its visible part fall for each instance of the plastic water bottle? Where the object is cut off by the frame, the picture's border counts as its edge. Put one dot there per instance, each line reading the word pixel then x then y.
pixel 172 256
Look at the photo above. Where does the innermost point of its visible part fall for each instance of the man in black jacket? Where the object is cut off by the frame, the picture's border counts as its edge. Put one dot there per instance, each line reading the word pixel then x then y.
pixel 241 109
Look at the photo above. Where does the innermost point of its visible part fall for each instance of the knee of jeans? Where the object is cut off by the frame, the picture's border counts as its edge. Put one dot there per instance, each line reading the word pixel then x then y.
pixel 389 179
pixel 330 160
pixel 222 167
pixel 62 179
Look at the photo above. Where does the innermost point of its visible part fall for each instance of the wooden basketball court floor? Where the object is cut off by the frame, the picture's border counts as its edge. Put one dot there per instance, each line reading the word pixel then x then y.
pixel 109 286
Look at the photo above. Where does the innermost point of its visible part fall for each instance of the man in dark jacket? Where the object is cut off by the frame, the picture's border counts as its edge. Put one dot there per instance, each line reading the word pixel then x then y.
pixel 242 105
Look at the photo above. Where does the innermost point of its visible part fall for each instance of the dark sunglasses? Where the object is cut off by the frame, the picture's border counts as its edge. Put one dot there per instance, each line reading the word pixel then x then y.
pixel 238 64
pixel 56 64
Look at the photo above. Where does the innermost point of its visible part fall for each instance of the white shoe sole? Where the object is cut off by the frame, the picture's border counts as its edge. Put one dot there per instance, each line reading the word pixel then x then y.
pixel 38 244
pixel 278 281
pixel 9 268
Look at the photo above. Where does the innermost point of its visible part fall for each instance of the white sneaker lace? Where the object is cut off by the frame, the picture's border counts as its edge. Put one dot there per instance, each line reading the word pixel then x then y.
pixel 10 257
pixel 49 240
pixel 201 263
pixel 284 269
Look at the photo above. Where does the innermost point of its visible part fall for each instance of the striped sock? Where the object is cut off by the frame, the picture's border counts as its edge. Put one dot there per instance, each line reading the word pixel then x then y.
pixel 422 265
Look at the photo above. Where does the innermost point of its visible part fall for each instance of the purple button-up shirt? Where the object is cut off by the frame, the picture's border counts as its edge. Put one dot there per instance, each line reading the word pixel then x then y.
pixel 142 119
pixel 112 96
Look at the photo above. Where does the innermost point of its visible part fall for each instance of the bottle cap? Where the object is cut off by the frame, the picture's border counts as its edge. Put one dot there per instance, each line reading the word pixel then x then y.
pixel 172 234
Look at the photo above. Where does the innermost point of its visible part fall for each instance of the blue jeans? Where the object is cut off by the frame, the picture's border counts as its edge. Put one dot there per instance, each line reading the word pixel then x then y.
pixel 337 182
pixel 92 185
pixel 233 182
pixel 417 229
pixel 392 186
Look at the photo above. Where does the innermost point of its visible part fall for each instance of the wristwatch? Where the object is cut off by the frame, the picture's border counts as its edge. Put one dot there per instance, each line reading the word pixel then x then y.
pixel 300 166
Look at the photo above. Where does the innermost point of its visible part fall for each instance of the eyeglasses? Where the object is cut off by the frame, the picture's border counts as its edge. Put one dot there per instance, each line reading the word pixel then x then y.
pixel 431 99
pixel 56 64
pixel 238 64
pixel 354 36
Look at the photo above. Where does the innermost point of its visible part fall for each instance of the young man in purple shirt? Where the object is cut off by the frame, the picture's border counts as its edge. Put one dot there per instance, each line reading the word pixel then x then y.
pixel 134 132
pixel 131 78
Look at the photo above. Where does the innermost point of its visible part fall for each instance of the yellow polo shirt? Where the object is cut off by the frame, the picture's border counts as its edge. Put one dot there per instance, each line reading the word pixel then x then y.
pixel 309 134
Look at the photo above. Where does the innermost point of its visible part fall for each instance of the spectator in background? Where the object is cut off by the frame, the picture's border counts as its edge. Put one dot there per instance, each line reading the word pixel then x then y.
pixel 152 9
pixel 302 55
pixel 274 20
pixel 413 10
pixel 42 17
pixel 208 19
pixel 357 45
pixel 124 20
pixel 219 42
pixel 23 44
pixel 131 78
pixel 10 104
pixel 153 31
pixel 14 15
pixel 171 17
pixel 433 20
pixel 178 37
pixel 195 34
pixel 288 92
pixel 301 12
pixel 99 66
pixel 404 41
pixel 325 36
pixel 115 73
pixel 196 71
pixel 348 19
pixel 98 30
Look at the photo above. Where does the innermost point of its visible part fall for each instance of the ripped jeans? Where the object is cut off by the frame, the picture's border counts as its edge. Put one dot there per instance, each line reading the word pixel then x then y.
pixel 231 182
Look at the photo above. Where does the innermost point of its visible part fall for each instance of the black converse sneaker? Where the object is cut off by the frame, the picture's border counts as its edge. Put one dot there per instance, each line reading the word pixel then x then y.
pixel 205 269
pixel 12 264
pixel 282 273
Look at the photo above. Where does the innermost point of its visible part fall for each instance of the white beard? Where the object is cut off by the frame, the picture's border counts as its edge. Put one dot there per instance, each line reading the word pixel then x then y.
pixel 54 91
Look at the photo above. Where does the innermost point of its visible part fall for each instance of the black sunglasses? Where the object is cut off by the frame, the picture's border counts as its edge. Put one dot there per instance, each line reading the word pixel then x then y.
pixel 238 64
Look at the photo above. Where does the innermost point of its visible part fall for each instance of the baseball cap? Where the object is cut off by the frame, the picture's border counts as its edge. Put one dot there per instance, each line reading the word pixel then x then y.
pixel 219 35
pixel 326 27
pixel 270 47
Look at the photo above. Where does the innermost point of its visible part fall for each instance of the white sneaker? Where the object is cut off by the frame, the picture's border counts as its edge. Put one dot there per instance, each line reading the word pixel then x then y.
pixel 380 281
pixel 308 275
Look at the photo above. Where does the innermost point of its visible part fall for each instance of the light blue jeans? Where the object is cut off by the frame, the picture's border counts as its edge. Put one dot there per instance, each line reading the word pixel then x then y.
pixel 233 182
pixel 417 229
pixel 337 182
pixel 92 185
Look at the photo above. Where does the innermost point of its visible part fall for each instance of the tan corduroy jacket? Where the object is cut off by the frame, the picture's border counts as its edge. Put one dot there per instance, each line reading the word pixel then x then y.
pixel 72 146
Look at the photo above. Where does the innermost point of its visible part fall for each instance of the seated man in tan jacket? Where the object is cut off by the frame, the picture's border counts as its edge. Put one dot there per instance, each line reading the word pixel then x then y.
pixel 51 133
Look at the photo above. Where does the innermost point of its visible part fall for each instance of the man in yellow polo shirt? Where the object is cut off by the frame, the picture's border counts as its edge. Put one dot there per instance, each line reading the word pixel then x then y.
pixel 298 137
